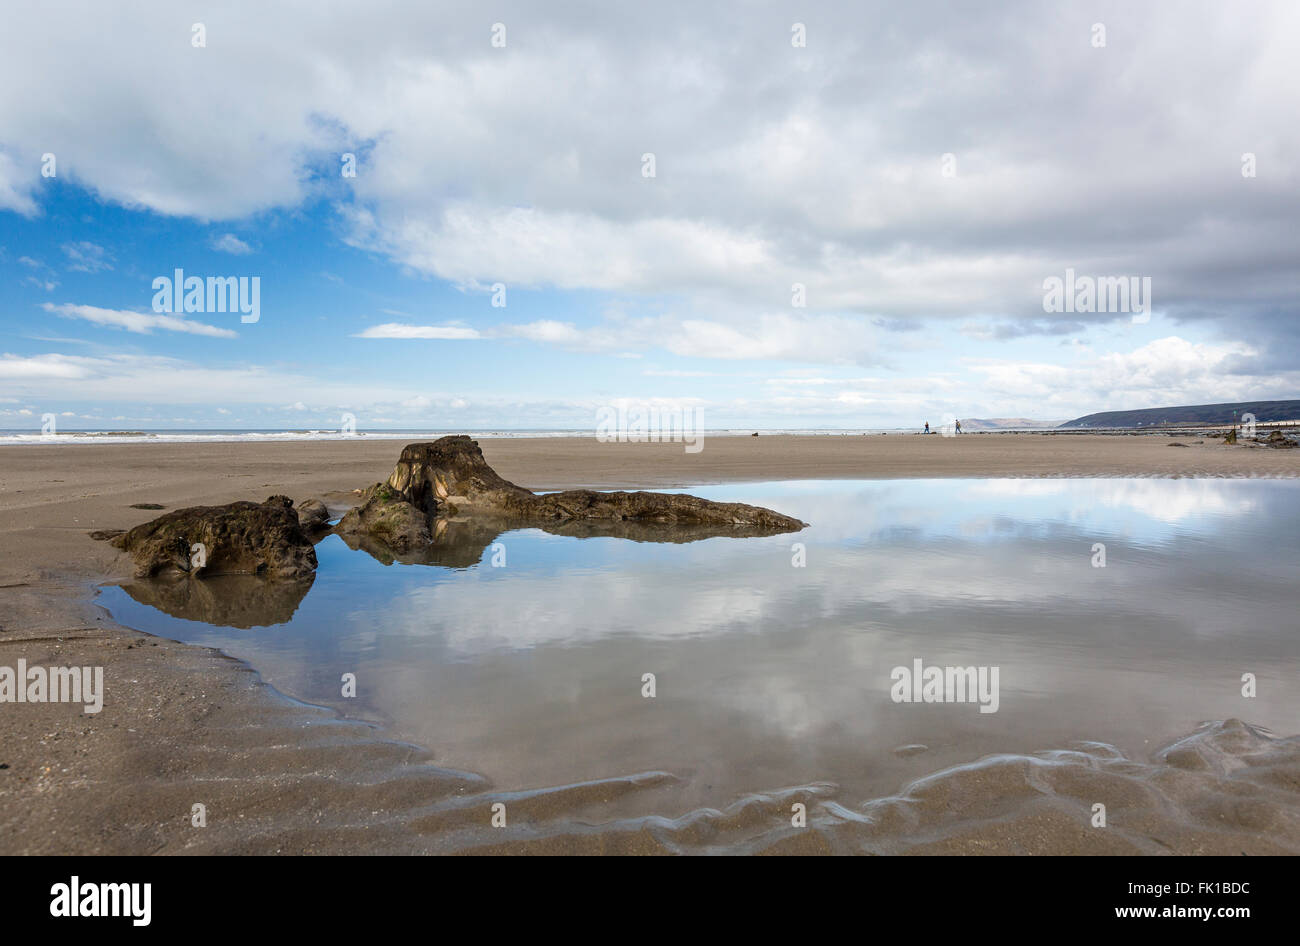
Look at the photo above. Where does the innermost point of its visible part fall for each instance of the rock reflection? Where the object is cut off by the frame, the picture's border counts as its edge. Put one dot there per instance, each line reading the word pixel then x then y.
pixel 462 542
pixel 242 601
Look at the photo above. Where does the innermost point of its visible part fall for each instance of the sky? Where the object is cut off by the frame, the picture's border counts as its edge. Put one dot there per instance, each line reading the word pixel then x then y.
pixel 853 211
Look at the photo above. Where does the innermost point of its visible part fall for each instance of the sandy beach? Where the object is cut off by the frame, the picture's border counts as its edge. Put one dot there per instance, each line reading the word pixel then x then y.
pixel 183 725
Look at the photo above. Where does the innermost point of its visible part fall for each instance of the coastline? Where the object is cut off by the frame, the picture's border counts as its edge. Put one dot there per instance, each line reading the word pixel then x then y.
pixel 185 725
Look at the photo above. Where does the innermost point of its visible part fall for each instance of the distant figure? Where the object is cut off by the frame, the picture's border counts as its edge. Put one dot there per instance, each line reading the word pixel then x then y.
pixel 958 426
pixel 927 426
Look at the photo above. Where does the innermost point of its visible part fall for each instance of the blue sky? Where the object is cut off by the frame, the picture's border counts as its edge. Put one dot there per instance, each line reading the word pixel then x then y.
pixel 523 165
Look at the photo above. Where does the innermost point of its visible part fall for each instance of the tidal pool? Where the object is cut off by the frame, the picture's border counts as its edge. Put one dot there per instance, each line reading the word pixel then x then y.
pixel 524 655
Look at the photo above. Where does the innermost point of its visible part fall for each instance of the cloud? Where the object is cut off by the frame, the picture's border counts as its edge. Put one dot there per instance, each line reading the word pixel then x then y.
pixel 676 373
pixel 400 330
pixel 43 281
pixel 827 339
pixel 142 323
pixel 229 243
pixel 87 257
pixel 55 367
pixel 775 165
pixel 550 331
pixel 1169 370
pixel 1166 371
pixel 155 380
pixel 769 336
pixel 151 382
pixel 16 187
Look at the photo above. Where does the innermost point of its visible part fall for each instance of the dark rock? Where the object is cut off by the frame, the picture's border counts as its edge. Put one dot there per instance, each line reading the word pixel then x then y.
pixel 240 538
pixel 1278 439
pixel 449 477
pixel 387 517
pixel 312 514
pixel 148 506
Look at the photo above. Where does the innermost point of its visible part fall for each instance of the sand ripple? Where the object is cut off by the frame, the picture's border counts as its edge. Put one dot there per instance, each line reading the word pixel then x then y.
pixel 1228 788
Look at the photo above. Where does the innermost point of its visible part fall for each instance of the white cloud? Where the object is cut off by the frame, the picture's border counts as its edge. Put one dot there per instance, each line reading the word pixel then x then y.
pixel 143 323
pixel 149 380
pixel 57 367
pixel 16 187
pixel 676 373
pixel 87 257
pixel 1170 370
pixel 828 339
pixel 548 330
pixel 769 336
pixel 229 243
pixel 400 330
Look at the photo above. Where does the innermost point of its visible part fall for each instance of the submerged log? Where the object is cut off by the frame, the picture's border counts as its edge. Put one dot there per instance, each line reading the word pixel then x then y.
pixel 449 477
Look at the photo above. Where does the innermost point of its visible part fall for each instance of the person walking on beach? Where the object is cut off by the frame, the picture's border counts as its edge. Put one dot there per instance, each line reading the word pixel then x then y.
pixel 927 426
pixel 958 423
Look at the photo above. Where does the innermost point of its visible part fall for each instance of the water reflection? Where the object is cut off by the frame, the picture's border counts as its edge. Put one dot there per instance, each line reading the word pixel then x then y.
pixel 461 542
pixel 769 674
pixel 241 601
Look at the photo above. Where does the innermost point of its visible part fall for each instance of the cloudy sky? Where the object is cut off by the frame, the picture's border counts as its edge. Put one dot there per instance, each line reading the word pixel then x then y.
pixel 920 169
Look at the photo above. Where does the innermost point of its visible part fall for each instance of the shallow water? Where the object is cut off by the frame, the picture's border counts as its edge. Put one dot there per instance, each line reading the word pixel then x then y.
pixel 770 675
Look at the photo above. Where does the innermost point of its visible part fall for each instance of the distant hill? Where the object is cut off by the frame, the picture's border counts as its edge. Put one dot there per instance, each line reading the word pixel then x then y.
pixel 1264 411
pixel 1006 423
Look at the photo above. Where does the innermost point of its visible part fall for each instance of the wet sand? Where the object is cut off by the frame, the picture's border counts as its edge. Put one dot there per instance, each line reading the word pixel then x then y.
pixel 183 725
